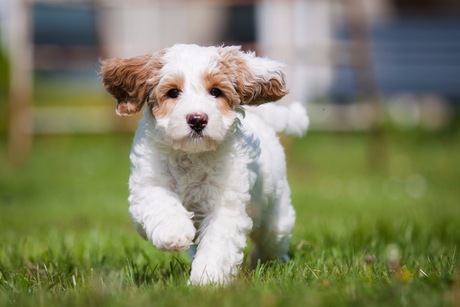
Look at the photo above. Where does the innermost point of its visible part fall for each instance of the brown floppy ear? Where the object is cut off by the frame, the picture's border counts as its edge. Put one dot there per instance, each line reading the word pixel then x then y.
pixel 128 81
pixel 257 80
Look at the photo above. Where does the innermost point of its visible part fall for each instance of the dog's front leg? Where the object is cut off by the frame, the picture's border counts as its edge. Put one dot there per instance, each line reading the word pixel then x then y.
pixel 161 218
pixel 220 247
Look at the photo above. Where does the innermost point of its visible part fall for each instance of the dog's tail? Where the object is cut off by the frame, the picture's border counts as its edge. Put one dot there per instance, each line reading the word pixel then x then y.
pixel 289 118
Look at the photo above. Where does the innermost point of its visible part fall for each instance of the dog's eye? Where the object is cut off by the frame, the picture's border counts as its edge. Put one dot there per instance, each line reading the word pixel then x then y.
pixel 215 92
pixel 173 93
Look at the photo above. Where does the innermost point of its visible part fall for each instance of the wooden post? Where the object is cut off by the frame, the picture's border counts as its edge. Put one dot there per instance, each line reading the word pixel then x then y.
pixel 366 83
pixel 360 48
pixel 21 81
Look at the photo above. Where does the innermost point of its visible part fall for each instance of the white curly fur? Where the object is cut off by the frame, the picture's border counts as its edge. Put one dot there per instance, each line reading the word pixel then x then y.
pixel 210 191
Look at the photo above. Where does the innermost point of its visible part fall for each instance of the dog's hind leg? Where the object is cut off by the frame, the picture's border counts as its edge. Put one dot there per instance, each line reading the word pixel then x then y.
pixel 271 240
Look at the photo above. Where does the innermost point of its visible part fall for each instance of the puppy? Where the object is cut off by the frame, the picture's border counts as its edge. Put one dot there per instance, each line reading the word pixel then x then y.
pixel 207 168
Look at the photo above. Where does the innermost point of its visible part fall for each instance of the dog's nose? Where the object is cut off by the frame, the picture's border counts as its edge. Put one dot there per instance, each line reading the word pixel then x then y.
pixel 197 121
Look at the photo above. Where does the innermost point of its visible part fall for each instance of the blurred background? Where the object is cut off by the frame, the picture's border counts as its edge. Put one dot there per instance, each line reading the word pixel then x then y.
pixel 354 62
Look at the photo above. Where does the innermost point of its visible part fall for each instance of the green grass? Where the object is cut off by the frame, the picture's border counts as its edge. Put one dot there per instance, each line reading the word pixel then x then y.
pixel 368 234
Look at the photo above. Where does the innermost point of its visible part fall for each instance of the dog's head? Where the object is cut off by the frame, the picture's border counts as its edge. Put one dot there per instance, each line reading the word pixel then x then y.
pixel 193 92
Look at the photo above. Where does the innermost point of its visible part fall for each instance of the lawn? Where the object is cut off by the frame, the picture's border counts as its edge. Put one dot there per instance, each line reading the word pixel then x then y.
pixel 379 229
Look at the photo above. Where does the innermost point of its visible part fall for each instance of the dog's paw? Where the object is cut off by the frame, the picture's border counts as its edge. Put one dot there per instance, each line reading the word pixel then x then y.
pixel 206 273
pixel 174 235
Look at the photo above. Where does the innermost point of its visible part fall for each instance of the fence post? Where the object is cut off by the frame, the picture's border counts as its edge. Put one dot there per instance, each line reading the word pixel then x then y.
pixel 21 81
pixel 367 91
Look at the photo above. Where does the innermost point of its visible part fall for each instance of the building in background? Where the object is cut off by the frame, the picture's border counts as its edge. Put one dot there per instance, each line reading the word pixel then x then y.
pixel 410 40
pixel 339 51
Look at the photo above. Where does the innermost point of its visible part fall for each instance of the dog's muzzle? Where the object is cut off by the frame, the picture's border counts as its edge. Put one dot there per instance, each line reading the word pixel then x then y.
pixel 197 121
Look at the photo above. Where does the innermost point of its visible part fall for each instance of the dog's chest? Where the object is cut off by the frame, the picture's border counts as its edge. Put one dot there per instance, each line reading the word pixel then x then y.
pixel 188 170
pixel 197 178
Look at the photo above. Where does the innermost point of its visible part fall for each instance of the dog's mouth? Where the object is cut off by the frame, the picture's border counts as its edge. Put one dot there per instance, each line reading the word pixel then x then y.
pixel 196 142
pixel 199 133
pixel 196 135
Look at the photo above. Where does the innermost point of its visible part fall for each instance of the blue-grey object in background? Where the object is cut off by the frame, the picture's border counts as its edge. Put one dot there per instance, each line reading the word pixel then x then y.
pixel 417 55
pixel 64 25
